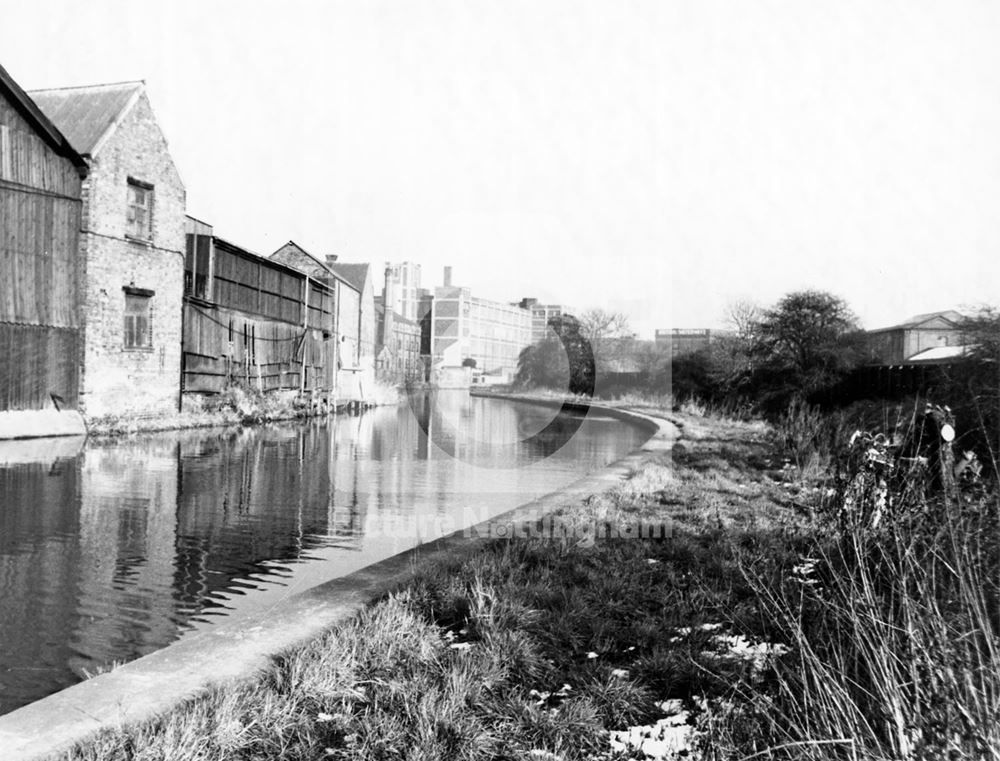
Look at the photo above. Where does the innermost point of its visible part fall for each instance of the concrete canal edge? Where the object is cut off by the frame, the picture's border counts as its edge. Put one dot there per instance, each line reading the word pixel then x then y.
pixel 240 649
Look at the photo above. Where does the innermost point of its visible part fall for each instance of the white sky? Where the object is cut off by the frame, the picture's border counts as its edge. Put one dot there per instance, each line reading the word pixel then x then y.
pixel 654 156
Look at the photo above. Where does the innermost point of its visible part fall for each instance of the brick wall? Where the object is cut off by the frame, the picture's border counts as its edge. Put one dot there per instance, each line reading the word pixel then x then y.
pixel 117 380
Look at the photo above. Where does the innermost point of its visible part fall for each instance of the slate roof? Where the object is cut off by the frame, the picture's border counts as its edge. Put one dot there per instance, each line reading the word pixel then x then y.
pixel 85 114
pixel 35 116
pixel 293 247
pixel 355 274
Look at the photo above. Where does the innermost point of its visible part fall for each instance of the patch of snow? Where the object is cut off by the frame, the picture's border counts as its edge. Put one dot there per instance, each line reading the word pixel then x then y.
pixel 591 655
pixel 460 646
pixel 738 647
pixel 668 738
pixel 685 631
pixel 620 673
pixel 544 755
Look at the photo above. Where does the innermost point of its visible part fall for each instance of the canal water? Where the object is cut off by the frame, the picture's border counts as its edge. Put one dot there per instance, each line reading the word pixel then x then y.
pixel 111 550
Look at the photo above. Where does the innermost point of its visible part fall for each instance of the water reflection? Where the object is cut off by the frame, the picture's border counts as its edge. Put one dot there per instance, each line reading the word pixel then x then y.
pixel 110 551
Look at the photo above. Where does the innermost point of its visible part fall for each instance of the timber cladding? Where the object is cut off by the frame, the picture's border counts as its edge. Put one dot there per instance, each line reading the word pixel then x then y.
pixel 41 270
pixel 253 322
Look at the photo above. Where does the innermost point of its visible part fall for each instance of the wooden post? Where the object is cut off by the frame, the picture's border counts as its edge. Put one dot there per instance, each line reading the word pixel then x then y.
pixel 305 332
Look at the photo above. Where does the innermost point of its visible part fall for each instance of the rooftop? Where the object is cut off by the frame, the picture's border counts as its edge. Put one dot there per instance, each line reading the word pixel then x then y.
pixel 30 110
pixel 949 315
pixel 85 114
pixel 354 274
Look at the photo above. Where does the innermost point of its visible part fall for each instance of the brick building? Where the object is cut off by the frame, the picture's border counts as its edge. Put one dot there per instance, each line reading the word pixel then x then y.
pixel 398 338
pixel 41 335
pixel 681 341
pixel 359 276
pixel 132 241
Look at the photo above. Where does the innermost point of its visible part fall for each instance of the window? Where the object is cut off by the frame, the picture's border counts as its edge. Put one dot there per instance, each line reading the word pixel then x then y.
pixel 138 318
pixel 140 210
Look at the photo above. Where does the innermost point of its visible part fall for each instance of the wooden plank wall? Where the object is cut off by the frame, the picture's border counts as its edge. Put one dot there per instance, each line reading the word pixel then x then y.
pixel 41 270
pixel 226 347
pixel 27 160
pixel 256 286
pixel 320 307
pixel 39 363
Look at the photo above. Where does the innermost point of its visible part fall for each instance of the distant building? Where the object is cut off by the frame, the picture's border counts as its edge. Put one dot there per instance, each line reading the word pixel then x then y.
pixel 397 354
pixel 359 277
pixel 405 280
pixel 935 336
pixel 133 246
pixel 41 271
pixel 355 360
pixel 681 341
pixel 540 316
pixel 475 339
pixel 254 322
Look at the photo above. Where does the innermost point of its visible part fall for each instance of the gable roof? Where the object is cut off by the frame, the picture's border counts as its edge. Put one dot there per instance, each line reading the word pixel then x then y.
pixel 294 248
pixel 951 317
pixel 291 248
pixel 36 117
pixel 355 274
pixel 87 114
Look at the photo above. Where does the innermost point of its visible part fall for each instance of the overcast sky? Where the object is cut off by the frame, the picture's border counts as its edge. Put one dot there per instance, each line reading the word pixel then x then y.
pixel 657 157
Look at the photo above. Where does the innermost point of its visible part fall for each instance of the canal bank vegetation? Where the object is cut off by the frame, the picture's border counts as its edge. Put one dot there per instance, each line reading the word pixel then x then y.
pixel 839 612
pixel 234 406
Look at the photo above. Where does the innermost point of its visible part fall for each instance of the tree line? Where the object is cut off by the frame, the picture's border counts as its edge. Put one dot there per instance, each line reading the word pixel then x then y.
pixel 801 348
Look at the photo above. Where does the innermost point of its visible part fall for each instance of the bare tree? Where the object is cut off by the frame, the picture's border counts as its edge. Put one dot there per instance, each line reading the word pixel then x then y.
pixel 602 328
pixel 596 324
pixel 743 316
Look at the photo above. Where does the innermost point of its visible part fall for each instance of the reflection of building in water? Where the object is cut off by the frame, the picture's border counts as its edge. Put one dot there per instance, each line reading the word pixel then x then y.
pixel 112 552
pixel 128 525
pixel 38 566
pixel 246 498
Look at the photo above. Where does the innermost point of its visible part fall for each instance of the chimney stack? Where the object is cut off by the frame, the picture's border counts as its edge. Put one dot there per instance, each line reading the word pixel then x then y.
pixel 388 305
pixel 331 258
pixel 447 277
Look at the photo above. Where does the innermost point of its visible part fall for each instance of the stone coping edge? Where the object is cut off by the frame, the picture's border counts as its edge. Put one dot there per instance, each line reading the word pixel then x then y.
pixel 236 651
pixel 33 424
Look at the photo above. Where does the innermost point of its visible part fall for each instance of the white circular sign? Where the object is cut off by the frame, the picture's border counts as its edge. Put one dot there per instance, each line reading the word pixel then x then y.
pixel 947 432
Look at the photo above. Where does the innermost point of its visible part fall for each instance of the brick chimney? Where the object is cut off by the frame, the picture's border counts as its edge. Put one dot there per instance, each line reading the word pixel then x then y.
pixel 388 304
